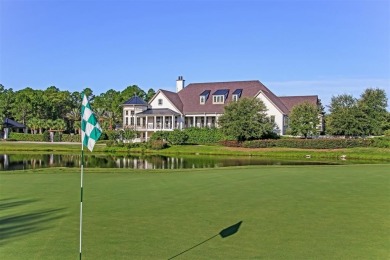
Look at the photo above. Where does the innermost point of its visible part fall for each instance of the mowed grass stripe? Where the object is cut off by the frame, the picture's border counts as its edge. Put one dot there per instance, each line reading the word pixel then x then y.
pixel 301 212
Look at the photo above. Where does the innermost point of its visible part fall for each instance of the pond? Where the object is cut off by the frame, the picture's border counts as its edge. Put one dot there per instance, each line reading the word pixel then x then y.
pixel 34 161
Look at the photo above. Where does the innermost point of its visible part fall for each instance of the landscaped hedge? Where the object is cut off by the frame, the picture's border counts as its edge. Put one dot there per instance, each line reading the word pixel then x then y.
pixel 231 143
pixel 70 138
pixel 204 135
pixel 44 137
pixel 310 143
pixel 381 142
pixel 26 137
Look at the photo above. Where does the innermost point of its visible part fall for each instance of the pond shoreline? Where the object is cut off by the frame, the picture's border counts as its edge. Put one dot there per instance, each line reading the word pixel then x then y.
pixel 381 154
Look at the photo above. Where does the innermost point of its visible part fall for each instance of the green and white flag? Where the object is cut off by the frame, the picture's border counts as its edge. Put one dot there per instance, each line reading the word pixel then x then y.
pixel 90 128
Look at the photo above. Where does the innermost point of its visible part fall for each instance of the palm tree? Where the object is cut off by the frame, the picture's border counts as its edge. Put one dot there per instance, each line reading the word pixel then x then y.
pixel 59 124
pixel 112 118
pixel 74 116
pixel 33 125
pixel 50 125
pixel 77 127
pixel 100 114
pixel 41 124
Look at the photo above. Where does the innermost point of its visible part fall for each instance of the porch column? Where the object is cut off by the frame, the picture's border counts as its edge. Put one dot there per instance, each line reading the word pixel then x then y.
pixel 194 121
pixel 163 122
pixel 205 121
pixel 173 122
pixel 155 122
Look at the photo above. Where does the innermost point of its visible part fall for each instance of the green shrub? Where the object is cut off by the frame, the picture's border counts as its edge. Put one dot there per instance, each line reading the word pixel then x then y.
pixel 259 143
pixel 381 142
pixel 134 145
pixel 104 136
pixel 57 137
pixel 231 143
pixel 311 143
pixel 112 134
pixel 387 132
pixel 110 143
pixel 46 136
pixel 26 137
pixel 177 137
pixel 157 144
pixel 70 138
pixel 204 135
pixel 159 135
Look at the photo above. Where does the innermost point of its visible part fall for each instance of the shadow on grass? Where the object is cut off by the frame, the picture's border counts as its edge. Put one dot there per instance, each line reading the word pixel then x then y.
pixel 17 225
pixel 223 233
pixel 12 202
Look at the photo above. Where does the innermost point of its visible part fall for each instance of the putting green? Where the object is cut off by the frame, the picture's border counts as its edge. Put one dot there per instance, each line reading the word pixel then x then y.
pixel 289 212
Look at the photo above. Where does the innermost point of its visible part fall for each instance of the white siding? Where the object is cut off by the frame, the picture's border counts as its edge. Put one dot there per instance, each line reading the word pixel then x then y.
pixel 129 108
pixel 165 102
pixel 273 111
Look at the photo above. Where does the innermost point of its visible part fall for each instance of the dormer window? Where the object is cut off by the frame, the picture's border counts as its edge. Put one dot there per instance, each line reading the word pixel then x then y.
pixel 220 96
pixel 236 94
pixel 204 96
pixel 160 102
pixel 220 99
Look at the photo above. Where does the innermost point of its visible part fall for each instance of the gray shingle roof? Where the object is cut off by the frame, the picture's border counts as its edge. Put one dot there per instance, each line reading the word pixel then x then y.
pixel 11 123
pixel 158 112
pixel 291 101
pixel 135 101
pixel 191 105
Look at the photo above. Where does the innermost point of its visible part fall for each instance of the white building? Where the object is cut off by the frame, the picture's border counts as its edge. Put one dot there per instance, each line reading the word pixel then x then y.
pixel 200 105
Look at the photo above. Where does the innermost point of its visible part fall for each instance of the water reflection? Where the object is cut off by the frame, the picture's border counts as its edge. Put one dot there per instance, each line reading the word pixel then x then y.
pixel 34 161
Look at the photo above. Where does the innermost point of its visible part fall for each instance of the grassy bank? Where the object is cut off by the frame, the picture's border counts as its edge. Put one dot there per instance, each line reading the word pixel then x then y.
pixel 45 147
pixel 327 212
pixel 350 153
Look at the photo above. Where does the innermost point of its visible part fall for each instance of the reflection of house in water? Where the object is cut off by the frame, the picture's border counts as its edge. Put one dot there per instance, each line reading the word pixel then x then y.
pixel 153 162
pixel 4 162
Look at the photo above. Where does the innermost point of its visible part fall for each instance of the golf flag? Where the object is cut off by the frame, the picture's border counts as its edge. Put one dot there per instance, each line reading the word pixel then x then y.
pixel 90 128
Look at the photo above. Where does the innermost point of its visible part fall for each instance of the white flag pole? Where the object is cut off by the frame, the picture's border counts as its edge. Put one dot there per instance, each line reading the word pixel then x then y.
pixel 81 191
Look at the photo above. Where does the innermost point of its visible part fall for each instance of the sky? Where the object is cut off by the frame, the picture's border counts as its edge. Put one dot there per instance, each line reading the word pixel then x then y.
pixel 294 47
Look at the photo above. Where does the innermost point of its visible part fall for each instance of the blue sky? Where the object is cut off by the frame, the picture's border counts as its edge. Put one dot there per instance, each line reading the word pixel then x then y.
pixel 326 47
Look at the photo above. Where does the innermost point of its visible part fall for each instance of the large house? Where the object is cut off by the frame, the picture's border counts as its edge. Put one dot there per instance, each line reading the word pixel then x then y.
pixel 200 105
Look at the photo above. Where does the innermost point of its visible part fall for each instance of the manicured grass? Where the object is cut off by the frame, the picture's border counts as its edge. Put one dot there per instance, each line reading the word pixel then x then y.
pixel 305 212
pixel 366 153
pixel 12 147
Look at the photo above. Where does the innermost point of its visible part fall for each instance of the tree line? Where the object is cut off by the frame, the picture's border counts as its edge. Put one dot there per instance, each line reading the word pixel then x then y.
pixel 348 116
pixel 53 109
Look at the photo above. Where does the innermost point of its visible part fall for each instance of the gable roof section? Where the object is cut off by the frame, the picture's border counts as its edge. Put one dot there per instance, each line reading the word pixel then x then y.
pixel 291 101
pixel 174 98
pixel 135 101
pixel 191 105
